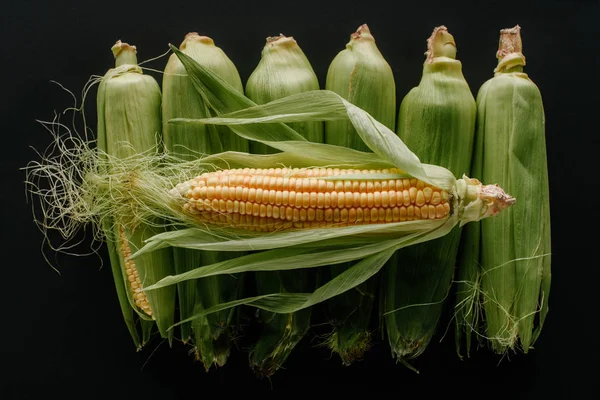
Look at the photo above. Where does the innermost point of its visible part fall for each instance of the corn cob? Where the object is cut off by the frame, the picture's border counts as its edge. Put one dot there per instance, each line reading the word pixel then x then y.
pixel 361 75
pixel 437 121
pixel 213 333
pixel 281 198
pixel 129 122
pixel 283 70
pixel 506 262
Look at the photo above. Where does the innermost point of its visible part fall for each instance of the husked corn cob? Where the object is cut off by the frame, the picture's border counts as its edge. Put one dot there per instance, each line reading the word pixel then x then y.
pixel 279 198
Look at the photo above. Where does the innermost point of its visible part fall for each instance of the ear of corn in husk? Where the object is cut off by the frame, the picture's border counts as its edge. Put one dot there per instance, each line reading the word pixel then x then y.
pixel 506 262
pixel 129 122
pixel 283 70
pixel 362 76
pixel 213 334
pixel 437 121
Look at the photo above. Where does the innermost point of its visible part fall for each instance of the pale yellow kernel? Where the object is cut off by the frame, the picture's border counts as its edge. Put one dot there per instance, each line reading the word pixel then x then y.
pixel 262 210
pixel 348 199
pixel 336 215
pixel 436 198
pixel 385 198
pixel 352 215
pixel 334 199
pixel 251 195
pixel 322 186
pixel 359 215
pixel 320 200
pixel 420 184
pixel 305 199
pixel 410 212
pixel 446 208
pixel 347 186
pixel 256 209
pixel 303 214
pixel 273 183
pixel 278 197
pixel 296 214
pixel 367 214
pixel 215 205
pixel 131 278
pixel 396 214
pixel 279 183
pixel 236 206
pixel 374 214
pixel 381 214
pixel 418 212
pixel 370 187
pixel 406 197
pixel 377 199
pixel 403 213
pixel 242 207
pixel 439 211
pixel 388 214
pixel 363 199
pixel 392 198
pixel 299 185
pixel 265 197
pixel 259 182
pixel 339 186
pixel 292 198
pixel 286 184
pixel 275 212
pixel 385 186
pixel 355 186
pixel 420 198
pixel 289 213
pixel 319 215
pixel 299 196
pixel 444 195
pixel 272 196
pixel 329 215
pixel 330 186
pixel 362 187
pixel 285 198
pixel 377 186
pixel 432 213
pixel 370 200
pixel 310 214
pixel 355 200
pixel 327 202
pixel 313 199
pixel 413 194
pixel 246 180
pixel 212 181
pixel 222 205
pixel 203 192
pixel 196 193
pixel 427 192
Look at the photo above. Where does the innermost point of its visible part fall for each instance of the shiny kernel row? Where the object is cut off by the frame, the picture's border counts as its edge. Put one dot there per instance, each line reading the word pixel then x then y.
pixel 374 214
pixel 133 277
pixel 297 172
pixel 304 184
pixel 225 197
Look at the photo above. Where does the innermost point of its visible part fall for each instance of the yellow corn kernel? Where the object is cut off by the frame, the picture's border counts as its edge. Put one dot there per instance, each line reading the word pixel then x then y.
pixel 133 276
pixel 282 198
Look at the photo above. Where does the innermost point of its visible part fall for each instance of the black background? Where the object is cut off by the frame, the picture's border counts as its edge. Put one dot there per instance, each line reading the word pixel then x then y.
pixel 63 335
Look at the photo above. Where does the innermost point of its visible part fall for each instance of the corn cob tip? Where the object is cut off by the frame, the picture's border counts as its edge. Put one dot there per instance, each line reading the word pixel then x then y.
pixel 363 32
pixel 440 44
pixel 483 200
pixel 280 41
pixel 510 50
pixel 195 37
pixel 124 53
pixel 510 42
